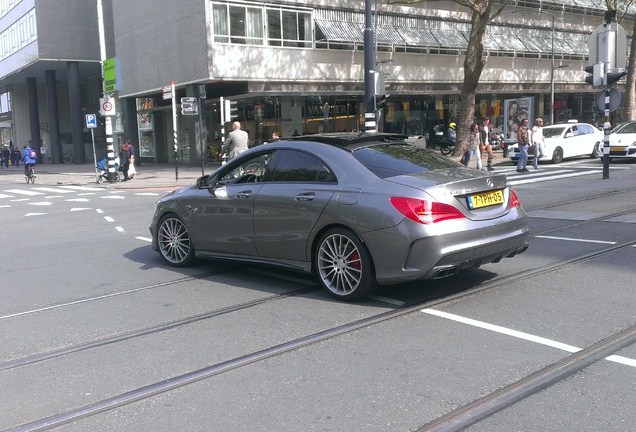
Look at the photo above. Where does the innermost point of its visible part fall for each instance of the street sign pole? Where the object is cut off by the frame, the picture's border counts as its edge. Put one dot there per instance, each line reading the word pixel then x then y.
pixel 110 145
pixel 204 154
pixel 174 130
pixel 222 105
pixel 91 123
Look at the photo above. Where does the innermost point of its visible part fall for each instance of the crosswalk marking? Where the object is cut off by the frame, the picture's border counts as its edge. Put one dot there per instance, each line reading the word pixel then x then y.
pixel 49 189
pixel 27 192
pixel 521 178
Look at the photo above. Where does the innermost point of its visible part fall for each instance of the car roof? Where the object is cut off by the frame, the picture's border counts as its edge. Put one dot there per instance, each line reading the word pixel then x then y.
pixel 351 139
pixel 567 124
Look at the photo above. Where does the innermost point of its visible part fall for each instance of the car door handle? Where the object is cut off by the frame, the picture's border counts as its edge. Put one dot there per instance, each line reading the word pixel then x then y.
pixel 309 196
pixel 244 194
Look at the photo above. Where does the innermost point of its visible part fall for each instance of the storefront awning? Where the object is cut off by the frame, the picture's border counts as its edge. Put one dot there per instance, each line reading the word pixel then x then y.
pixel 340 31
pixel 417 37
pixel 451 39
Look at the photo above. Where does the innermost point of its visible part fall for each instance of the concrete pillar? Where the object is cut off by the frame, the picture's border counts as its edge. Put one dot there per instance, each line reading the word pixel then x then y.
pixel 76 113
pixel 55 147
pixel 34 116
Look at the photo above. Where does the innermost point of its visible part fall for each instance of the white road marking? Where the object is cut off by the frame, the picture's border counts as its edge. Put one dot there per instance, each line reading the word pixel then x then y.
pixel 550 177
pixel 56 190
pixel 35 214
pixel 5 206
pixel 120 229
pixel 99 211
pixel 147 194
pixel 113 197
pixel 21 199
pixel 53 196
pixel 146 239
pixel 576 239
pixel 6 196
pixel 81 188
pixel 86 193
pixel 27 192
pixel 80 209
pixel 77 200
pixel 41 203
pixel 109 219
pixel 521 335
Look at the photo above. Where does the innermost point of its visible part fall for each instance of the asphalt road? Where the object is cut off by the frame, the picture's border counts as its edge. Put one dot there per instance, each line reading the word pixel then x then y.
pixel 97 334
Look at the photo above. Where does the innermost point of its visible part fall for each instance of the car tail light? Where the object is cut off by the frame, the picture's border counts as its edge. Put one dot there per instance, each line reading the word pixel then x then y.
pixel 424 211
pixel 514 199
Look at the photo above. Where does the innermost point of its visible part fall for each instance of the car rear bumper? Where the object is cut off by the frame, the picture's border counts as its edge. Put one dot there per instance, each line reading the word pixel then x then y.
pixel 438 256
pixel 622 152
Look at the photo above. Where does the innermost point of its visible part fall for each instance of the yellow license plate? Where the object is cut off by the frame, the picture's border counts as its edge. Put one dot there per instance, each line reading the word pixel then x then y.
pixel 618 149
pixel 485 199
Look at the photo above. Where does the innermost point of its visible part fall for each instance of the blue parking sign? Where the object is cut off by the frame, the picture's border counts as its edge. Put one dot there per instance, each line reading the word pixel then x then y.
pixel 91 121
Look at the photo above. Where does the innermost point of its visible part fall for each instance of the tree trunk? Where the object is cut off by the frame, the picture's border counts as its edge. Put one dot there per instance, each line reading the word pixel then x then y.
pixel 630 103
pixel 473 66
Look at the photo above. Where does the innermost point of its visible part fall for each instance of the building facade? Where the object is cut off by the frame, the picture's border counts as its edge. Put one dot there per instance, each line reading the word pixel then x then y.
pixel 293 67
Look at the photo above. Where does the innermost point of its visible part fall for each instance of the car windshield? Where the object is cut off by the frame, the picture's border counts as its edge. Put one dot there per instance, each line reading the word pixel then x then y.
pixel 388 160
pixel 626 128
pixel 553 132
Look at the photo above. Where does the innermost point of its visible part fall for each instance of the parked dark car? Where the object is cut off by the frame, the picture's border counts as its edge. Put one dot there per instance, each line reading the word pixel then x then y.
pixel 358 210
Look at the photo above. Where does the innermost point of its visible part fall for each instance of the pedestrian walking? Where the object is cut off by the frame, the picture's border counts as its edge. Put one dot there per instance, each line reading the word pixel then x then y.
pixel 522 142
pixel 16 155
pixel 485 131
pixel 537 140
pixel 124 159
pixel 236 143
pixel 4 158
pixel 474 143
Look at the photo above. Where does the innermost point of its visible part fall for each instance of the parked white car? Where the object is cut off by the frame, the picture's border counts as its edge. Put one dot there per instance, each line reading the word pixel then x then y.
pixel 622 141
pixel 567 140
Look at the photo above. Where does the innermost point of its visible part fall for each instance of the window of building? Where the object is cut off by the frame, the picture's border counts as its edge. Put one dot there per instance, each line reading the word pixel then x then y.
pixel 18 35
pixel 7 5
pixel 5 100
pixel 261 25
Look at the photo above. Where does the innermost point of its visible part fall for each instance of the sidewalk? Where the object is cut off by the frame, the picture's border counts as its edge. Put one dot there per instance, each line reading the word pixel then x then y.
pixel 148 175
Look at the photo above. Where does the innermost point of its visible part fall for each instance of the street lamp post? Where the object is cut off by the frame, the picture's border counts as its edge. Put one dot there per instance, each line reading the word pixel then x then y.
pixel 553 67
pixel 552 87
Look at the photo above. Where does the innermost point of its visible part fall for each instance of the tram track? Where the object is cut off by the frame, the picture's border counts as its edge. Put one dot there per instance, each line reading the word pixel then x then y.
pixel 467 415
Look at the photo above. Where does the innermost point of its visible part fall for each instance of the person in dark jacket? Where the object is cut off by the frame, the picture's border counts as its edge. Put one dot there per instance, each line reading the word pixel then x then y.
pixel 6 155
pixel 16 155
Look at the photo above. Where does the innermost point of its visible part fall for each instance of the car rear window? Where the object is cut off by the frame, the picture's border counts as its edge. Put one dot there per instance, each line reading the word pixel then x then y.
pixel 388 160
pixel 553 132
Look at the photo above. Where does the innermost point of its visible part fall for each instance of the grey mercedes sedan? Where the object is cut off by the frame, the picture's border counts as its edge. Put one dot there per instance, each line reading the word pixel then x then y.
pixel 358 210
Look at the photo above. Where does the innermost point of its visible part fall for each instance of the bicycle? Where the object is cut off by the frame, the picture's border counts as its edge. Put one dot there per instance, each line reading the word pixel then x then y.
pixel 29 176
pixel 68 157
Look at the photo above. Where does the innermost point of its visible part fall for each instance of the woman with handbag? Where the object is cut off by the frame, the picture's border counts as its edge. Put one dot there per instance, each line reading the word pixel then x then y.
pixel 537 141
pixel 474 144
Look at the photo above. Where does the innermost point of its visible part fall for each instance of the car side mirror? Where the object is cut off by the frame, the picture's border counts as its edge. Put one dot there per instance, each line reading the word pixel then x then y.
pixel 203 182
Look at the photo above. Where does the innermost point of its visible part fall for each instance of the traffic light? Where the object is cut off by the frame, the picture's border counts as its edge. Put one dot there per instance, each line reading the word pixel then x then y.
pixel 380 101
pixel 598 74
pixel 231 110
pixel 189 106
pixel 615 76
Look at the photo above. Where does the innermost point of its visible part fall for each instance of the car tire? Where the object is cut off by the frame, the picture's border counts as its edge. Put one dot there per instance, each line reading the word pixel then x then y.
pixel 557 156
pixel 344 266
pixel 595 153
pixel 173 240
